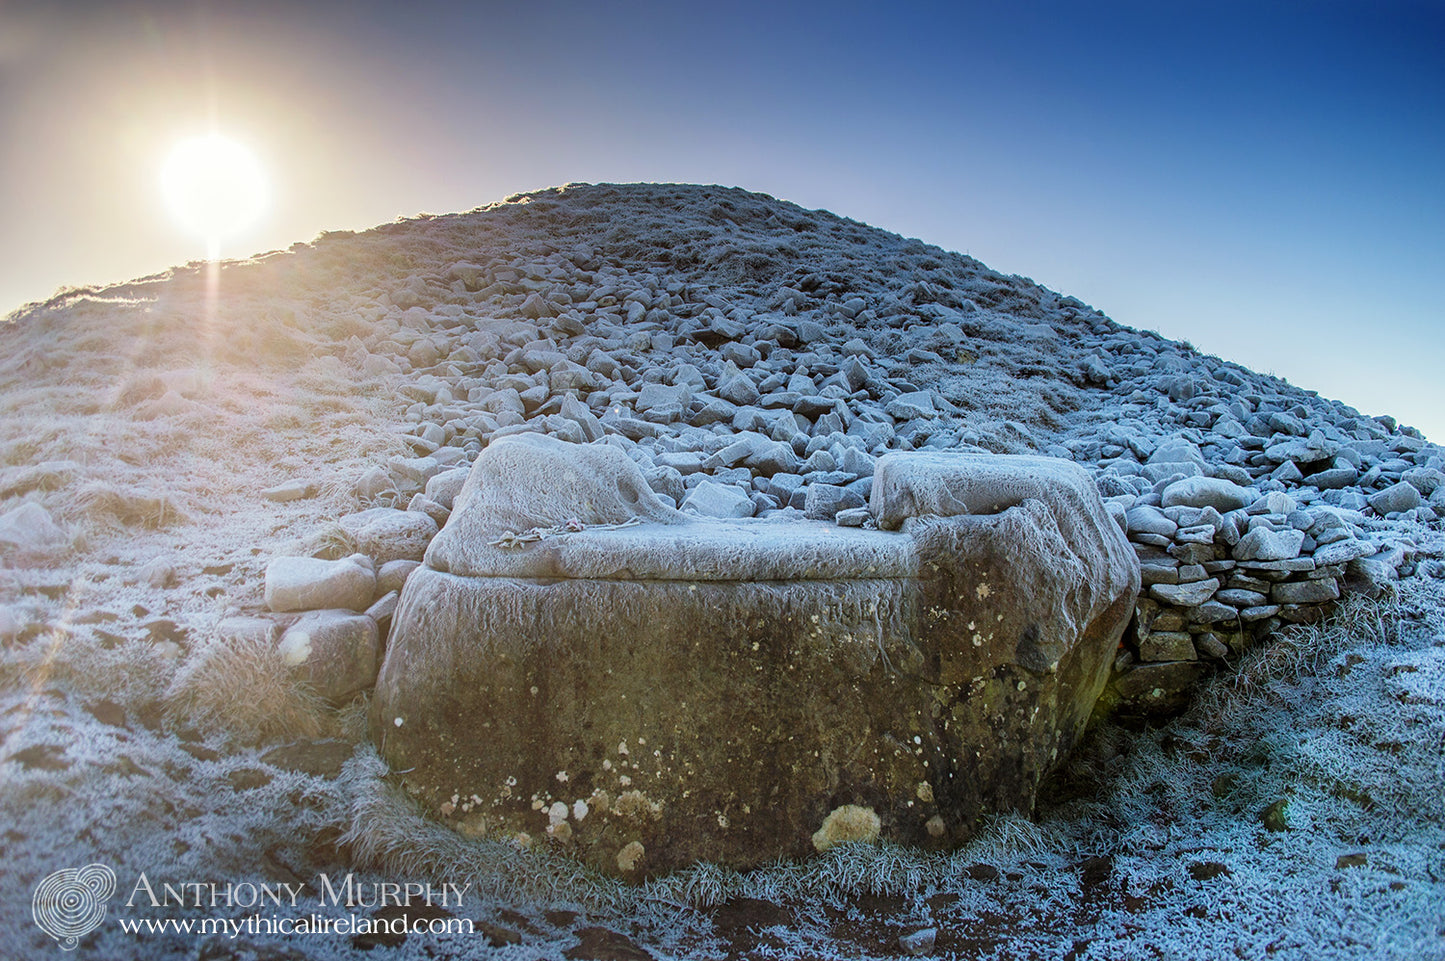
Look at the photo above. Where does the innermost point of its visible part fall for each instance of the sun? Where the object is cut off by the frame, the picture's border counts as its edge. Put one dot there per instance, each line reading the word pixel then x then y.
pixel 214 187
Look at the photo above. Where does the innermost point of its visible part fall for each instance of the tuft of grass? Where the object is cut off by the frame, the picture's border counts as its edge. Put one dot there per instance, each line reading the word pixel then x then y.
pixel 130 507
pixel 242 687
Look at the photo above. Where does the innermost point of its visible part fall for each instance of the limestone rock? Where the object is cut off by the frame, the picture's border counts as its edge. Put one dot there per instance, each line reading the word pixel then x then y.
pixel 599 664
pixel 824 501
pixel 711 499
pixel 309 583
pixel 444 487
pixel 1220 494
pixel 386 534
pixel 333 652
pixel 292 490
pixel 1184 595
pixel 1264 544
pixel 1399 497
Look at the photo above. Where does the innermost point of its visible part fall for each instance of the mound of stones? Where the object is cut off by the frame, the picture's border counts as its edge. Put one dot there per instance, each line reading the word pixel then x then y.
pixel 579 661
pixel 760 362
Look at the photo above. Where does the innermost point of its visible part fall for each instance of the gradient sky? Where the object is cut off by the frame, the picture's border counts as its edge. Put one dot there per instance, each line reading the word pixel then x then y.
pixel 1263 179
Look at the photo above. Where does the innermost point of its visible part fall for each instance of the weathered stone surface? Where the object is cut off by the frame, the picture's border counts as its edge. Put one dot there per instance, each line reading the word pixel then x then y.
pixel 333 652
pixel 1263 544
pixel 1145 519
pixel 1214 492
pixel 711 499
pixel 309 583
pixel 1185 595
pixel 1166 646
pixel 715 688
pixel 1305 592
pixel 1156 688
pixel 385 534
pixel 1398 497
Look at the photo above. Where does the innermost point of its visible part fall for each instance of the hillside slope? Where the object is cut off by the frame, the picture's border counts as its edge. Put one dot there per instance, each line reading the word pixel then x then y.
pixel 164 439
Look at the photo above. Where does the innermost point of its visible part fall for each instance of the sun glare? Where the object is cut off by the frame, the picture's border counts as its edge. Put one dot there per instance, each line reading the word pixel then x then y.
pixel 214 187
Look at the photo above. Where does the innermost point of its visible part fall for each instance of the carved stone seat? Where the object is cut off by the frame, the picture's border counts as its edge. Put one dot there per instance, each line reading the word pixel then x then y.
pixel 578 662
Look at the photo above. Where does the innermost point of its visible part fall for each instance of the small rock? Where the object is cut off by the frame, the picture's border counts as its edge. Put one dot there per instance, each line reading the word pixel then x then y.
pixel 336 653
pixel 372 484
pixel 850 822
pixel 1220 494
pixel 1305 592
pixel 1156 646
pixel 444 487
pixel 309 583
pixel 824 501
pixel 1356 860
pixel 1263 544
pixel 852 517
pixel 158 574
pixel 29 528
pixel 1399 497
pixel 1146 519
pixel 232 630
pixel 1184 595
pixel 294 490
pixel 914 404
pixel 1342 552
pixel 393 575
pixel 387 534
pixel 712 499
pixel 1210 645
pixel 384 607
pixel 918 942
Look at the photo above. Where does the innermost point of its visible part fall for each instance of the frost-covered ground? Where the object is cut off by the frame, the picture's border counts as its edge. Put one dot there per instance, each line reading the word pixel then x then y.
pixel 149 420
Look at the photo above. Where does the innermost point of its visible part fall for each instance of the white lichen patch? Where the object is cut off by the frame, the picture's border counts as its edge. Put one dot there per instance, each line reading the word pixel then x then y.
pixel 850 822
pixel 631 853
pixel 637 805
pixel 294 648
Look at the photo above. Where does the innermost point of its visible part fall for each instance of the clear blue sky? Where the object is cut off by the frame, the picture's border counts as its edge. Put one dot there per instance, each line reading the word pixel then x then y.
pixel 1260 178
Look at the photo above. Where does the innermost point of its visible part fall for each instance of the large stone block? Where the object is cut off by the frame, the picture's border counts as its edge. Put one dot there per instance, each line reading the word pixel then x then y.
pixel 646 689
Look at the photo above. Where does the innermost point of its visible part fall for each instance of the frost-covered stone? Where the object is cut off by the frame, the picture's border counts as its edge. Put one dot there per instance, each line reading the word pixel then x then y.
pixel 824 501
pixel 386 534
pixel 678 627
pixel 293 490
pixel 1147 519
pixel 1185 595
pixel 334 652
pixel 1265 544
pixel 1396 498
pixel 309 583
pixel 1305 592
pixel 911 405
pixel 712 499
pixel 1222 495
pixel 29 529
pixel 1343 551
pixel 444 487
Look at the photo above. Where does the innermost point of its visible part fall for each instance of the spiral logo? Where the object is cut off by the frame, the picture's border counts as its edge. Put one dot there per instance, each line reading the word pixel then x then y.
pixel 70 903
